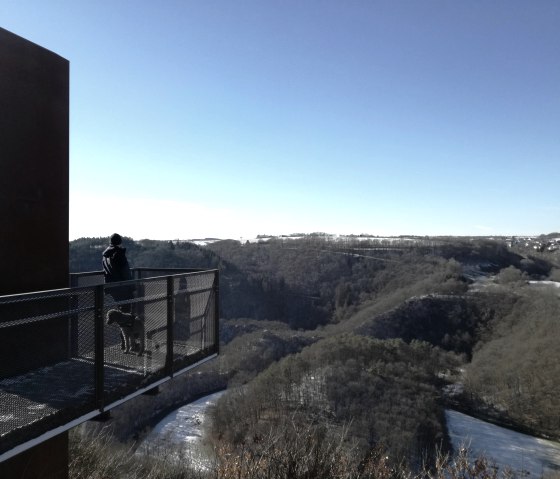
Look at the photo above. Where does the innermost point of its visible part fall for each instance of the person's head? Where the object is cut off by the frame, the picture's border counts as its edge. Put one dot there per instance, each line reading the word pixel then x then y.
pixel 116 239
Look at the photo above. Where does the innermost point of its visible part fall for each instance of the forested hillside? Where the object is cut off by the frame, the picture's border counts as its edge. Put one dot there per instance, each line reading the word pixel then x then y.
pixel 356 342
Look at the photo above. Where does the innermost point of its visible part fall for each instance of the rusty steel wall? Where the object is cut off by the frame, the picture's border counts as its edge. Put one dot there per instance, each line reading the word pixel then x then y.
pixel 34 176
pixel 34 101
pixel 34 87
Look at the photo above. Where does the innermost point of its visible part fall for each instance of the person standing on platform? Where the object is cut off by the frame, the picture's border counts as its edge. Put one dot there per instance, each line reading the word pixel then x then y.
pixel 116 268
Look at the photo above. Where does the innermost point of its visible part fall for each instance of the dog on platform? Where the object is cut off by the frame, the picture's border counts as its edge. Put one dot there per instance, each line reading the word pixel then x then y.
pixel 132 329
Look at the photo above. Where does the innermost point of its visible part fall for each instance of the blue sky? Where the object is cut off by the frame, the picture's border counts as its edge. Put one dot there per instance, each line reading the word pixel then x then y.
pixel 229 118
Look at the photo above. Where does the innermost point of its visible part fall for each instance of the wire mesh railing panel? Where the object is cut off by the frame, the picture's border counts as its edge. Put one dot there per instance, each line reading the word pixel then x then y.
pixel 71 353
pixel 92 278
pixel 155 320
pixel 199 303
pixel 182 314
pixel 193 320
pixel 151 273
pixel 199 317
pixel 82 324
pixel 130 347
pixel 200 281
pixel 182 343
pixel 140 273
pixel 42 381
pixel 210 337
pixel 28 308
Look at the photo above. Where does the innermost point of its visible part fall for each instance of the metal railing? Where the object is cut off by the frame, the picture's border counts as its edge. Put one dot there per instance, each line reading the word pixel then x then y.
pixel 62 364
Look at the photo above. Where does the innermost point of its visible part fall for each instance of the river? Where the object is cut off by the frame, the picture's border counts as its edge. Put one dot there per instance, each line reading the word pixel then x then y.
pixel 526 455
pixel 179 435
pixel 183 429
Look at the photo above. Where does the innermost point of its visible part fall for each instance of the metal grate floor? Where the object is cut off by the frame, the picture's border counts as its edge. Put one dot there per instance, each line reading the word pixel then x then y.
pixel 40 398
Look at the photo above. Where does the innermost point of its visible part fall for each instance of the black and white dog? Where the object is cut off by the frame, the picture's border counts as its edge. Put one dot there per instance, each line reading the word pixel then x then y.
pixel 132 329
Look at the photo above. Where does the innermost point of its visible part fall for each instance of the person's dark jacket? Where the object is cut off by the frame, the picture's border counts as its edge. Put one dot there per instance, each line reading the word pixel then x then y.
pixel 115 264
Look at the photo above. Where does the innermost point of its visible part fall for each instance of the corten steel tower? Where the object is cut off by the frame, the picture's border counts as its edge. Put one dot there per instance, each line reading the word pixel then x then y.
pixel 34 126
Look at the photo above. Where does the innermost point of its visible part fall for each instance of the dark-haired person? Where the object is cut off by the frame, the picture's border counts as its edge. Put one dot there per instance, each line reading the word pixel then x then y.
pixel 115 263
pixel 116 268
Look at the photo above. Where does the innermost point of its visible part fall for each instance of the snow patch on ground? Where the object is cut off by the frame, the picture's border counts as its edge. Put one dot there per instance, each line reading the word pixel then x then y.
pixel 556 284
pixel 526 455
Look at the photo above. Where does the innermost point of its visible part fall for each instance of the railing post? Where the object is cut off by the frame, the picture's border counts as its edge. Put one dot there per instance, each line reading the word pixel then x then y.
pixel 217 311
pixel 99 346
pixel 170 318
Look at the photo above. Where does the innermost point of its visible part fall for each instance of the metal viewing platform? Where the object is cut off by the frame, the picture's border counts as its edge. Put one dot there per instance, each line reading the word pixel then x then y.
pixel 45 391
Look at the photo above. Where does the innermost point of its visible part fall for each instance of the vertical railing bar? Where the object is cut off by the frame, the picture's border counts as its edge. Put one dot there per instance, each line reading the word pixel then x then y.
pixel 99 347
pixel 217 310
pixel 73 336
pixel 204 321
pixel 170 318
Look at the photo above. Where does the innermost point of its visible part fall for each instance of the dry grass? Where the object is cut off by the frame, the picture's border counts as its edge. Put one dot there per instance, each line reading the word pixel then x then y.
pixel 292 453
pixel 101 457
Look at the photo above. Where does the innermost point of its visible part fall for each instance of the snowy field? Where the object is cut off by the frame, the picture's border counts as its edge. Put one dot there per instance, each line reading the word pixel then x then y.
pixel 330 237
pixel 179 435
pixel 526 455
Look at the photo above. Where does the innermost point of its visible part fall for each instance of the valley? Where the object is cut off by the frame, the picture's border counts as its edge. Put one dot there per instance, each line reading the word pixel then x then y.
pixel 382 332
